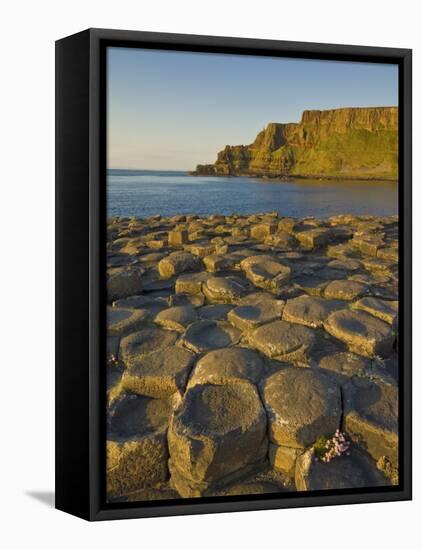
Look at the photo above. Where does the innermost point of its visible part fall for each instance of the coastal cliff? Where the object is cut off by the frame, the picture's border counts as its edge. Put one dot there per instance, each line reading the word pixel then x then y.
pixel 357 143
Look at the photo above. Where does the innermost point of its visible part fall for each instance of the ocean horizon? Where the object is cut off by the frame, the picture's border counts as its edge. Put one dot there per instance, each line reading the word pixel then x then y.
pixel 141 193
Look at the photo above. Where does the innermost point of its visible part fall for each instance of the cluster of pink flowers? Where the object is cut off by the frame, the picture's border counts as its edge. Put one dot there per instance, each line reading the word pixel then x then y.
pixel 336 446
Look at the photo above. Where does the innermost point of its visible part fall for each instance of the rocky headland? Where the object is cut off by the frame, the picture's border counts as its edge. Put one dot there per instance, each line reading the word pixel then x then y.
pixel 237 347
pixel 359 143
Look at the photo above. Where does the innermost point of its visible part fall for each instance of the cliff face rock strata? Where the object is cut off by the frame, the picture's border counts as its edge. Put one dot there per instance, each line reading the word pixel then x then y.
pixel 351 142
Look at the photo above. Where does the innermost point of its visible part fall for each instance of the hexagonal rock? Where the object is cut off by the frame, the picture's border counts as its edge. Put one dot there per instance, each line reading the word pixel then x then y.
pixel 250 316
pixel 262 230
pixel 225 289
pixel 177 237
pixel 205 335
pixel 123 282
pixel 217 262
pixel 265 272
pixel 345 290
pixel 143 302
pixel 344 472
pixel 345 363
pixel 283 341
pixel 283 459
pixel 193 300
pixel 159 374
pixel 386 310
pixel 302 405
pixel 215 312
pixel 363 333
pixel 217 431
pixel 310 311
pixel 176 318
pixel 178 262
pixel 371 416
pixel 228 364
pixel 145 342
pixel 201 249
pixel 191 283
pixel 136 443
pixel 124 321
pixel 314 237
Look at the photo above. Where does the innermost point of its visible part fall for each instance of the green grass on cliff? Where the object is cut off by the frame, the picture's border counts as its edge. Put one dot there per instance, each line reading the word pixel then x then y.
pixel 358 153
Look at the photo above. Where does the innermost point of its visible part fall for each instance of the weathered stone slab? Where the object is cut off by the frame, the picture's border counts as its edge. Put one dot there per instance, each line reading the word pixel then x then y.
pixel 363 333
pixel 227 365
pixel 145 342
pixel 123 282
pixel 123 321
pixel 345 290
pixel 178 262
pixel 345 472
pixel 159 374
pixel 193 300
pixel 136 443
pixel 283 459
pixel 302 405
pixel 266 272
pixel 283 341
pixel 252 315
pixel 191 283
pixel 215 312
pixel 225 289
pixel 176 318
pixel 346 364
pixel 310 311
pixel 371 416
pixel 386 310
pixel 206 335
pixel 217 431
pixel 178 237
pixel 313 238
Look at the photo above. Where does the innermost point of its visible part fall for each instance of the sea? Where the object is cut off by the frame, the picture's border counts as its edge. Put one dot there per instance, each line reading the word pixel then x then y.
pixel 143 193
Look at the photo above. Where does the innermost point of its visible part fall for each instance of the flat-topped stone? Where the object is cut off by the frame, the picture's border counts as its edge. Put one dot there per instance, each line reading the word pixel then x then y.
pixel 345 290
pixel 225 289
pixel 123 282
pixel 345 472
pixel 266 272
pixel 191 283
pixel 159 374
pixel 310 311
pixel 302 405
pixel 176 318
pixel 347 364
pixel 123 321
pixel 371 416
pixel 386 310
pixel 255 313
pixel 217 431
pixel 215 312
pixel 205 335
pixel 137 452
pixel 178 262
pixel 283 340
pixel 363 333
pixel 228 364
pixel 144 342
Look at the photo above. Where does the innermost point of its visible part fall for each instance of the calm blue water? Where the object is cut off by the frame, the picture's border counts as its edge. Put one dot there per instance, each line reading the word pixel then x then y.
pixel 143 193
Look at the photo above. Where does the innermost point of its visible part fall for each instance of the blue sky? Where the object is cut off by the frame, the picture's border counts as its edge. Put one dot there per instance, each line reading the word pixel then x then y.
pixel 173 110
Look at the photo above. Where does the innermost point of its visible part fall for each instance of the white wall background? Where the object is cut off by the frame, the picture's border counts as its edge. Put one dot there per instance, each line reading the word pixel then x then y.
pixel 27 274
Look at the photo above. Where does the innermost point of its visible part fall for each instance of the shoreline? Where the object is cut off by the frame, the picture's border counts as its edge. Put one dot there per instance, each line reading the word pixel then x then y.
pixel 292 177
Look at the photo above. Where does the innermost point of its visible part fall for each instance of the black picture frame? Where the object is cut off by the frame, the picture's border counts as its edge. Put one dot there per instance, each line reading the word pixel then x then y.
pixel 80 271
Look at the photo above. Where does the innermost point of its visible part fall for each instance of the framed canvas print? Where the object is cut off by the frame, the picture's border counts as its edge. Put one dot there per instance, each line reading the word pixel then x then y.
pixel 233 274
